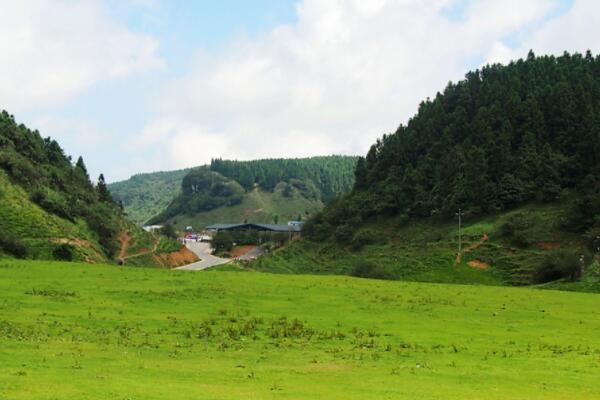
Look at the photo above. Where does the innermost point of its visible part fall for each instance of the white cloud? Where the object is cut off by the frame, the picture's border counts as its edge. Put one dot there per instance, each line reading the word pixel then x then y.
pixel 342 75
pixel 54 49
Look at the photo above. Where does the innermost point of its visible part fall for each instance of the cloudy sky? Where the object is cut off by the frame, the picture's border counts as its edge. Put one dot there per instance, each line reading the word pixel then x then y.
pixel 145 85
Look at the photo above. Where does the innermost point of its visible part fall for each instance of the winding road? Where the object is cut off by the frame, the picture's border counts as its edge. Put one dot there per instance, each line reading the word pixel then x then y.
pixel 207 260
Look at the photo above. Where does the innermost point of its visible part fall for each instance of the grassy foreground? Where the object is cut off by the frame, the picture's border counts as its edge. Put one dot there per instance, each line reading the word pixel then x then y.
pixel 75 331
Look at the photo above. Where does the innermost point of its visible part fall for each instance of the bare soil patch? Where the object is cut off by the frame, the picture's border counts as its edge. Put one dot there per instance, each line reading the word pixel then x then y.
pixel 177 258
pixel 239 251
pixel 548 245
pixel 477 264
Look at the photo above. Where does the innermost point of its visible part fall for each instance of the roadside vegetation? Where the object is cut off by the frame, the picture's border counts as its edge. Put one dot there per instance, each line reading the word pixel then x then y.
pixel 74 331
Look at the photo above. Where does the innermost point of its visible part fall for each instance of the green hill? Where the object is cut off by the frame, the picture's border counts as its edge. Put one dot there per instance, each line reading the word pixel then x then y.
pixel 49 208
pixel 234 191
pixel 516 146
pixel 71 331
pixel 146 195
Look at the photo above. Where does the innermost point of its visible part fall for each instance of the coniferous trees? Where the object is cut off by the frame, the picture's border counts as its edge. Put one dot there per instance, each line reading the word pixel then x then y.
pixel 503 136
pixel 41 168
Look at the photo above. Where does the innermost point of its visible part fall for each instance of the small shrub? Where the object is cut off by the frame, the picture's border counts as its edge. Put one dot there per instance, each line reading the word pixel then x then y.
pixel 365 237
pixel 343 234
pixel 13 246
pixel 169 231
pixel 562 264
pixel 63 252
pixel 593 239
pixel 520 229
pixel 366 269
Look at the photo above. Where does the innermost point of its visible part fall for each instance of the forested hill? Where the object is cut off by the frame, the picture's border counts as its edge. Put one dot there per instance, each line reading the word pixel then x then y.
pixel 258 191
pixel 49 207
pixel 503 136
pixel 332 175
pixel 146 195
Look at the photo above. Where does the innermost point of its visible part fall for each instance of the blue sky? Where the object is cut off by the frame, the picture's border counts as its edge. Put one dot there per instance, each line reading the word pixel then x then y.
pixel 143 85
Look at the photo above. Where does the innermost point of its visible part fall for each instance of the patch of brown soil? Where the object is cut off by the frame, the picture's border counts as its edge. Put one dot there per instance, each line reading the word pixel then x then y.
pixel 239 251
pixel 177 258
pixel 477 264
pixel 124 239
pixel 472 247
pixel 548 245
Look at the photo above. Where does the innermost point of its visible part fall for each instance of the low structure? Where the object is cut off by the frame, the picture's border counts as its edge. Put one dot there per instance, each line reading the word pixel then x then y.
pixel 152 228
pixel 295 228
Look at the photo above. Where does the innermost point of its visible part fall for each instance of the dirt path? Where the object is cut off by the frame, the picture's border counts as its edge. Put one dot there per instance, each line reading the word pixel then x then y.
pixel 124 239
pixel 472 247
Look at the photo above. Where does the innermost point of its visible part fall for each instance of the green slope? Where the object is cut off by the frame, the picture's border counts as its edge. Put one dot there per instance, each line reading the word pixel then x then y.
pixel 256 205
pixel 99 332
pixel 146 195
pixel 50 209
pixel 509 248
pixel 40 232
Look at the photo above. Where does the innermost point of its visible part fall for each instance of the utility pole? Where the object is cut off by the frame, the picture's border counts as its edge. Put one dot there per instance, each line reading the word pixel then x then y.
pixel 459 213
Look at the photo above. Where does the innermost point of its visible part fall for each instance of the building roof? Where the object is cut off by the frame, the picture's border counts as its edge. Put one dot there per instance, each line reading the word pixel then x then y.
pixel 255 227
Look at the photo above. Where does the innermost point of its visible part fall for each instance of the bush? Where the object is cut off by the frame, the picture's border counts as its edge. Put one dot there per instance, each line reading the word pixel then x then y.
pixel 562 264
pixel 520 230
pixel 64 252
pixel 593 239
pixel 169 231
pixel 13 246
pixel 316 229
pixel 343 234
pixel 366 269
pixel 365 237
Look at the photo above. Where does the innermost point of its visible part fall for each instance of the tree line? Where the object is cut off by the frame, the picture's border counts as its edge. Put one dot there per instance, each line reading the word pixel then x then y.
pixel 332 175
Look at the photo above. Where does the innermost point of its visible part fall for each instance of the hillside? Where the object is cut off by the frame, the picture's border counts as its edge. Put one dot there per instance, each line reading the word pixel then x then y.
pixel 71 331
pixel 50 209
pixel 504 141
pixel 146 195
pixel 258 191
pixel 524 246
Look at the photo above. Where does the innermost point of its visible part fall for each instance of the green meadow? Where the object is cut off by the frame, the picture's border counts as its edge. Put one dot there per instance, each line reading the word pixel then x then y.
pixel 77 331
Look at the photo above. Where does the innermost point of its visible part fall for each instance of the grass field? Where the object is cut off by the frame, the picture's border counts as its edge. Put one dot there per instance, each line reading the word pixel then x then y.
pixel 75 331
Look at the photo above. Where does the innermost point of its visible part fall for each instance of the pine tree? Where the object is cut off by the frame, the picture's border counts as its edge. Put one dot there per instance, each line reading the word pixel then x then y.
pixel 102 190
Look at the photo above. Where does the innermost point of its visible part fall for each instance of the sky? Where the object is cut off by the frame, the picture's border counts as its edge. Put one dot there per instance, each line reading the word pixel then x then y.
pixel 147 85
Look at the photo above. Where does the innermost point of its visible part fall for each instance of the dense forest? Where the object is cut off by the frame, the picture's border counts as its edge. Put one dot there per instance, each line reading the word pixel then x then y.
pixel 332 175
pixel 502 137
pixel 55 183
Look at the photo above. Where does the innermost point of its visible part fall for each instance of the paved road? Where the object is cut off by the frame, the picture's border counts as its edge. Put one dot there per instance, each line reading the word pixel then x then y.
pixel 207 260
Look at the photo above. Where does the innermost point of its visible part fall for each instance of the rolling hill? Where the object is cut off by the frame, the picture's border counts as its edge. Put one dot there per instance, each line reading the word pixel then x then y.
pixel 515 149
pixel 235 191
pixel 146 195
